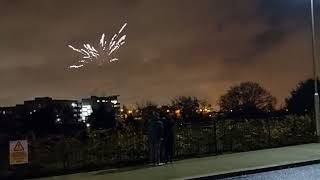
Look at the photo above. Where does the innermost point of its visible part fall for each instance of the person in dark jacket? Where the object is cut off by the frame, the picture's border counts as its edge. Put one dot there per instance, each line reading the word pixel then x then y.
pixel 155 137
pixel 168 138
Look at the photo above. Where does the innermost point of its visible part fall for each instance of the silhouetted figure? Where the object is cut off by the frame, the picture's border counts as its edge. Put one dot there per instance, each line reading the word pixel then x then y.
pixel 168 138
pixel 155 136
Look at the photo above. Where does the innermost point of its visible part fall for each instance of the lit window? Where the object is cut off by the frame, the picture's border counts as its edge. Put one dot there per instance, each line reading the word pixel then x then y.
pixel 98 100
pixel 73 104
pixel 114 101
pixel 86 111
pixel 168 110
pixel 58 120
pixel 34 110
pixel 4 112
pixel 30 112
pixel 88 125
pixel 103 100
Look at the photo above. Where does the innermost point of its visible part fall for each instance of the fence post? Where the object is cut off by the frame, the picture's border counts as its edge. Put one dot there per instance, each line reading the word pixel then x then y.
pixel 215 136
pixel 269 132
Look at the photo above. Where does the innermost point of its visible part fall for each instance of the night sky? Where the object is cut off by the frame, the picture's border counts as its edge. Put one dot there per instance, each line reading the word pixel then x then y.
pixel 173 47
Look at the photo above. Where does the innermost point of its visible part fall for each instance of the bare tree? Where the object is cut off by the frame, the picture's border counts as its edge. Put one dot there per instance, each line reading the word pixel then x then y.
pixel 189 107
pixel 301 99
pixel 247 99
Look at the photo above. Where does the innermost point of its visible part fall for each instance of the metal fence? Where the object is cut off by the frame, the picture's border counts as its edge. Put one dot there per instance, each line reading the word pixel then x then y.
pixel 103 149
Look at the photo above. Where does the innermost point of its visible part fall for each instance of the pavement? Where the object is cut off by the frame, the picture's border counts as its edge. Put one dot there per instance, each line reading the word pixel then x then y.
pixel 214 167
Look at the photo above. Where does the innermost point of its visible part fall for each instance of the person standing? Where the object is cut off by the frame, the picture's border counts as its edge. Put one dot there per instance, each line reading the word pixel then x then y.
pixel 169 138
pixel 155 137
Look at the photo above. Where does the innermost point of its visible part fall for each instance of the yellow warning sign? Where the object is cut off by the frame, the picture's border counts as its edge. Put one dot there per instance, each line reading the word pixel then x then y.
pixel 18 152
pixel 18 147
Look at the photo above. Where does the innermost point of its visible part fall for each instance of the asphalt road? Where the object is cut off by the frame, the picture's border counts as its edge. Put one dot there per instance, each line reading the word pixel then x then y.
pixel 311 172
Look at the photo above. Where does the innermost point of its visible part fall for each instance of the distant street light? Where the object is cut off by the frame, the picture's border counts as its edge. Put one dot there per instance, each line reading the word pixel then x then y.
pixel 315 66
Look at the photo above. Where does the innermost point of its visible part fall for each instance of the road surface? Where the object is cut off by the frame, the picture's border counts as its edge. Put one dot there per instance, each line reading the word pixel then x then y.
pixel 311 172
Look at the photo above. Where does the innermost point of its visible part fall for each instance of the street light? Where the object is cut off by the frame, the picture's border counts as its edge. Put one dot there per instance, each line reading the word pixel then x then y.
pixel 315 66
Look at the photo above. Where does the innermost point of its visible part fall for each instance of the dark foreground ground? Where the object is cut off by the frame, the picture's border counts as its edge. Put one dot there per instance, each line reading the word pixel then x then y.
pixel 222 166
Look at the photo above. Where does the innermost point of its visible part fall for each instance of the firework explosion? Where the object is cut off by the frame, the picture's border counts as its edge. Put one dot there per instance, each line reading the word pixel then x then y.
pixel 105 51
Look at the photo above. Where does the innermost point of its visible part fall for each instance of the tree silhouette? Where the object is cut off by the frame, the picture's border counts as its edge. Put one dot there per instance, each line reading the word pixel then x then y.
pixel 147 111
pixel 101 118
pixel 301 100
pixel 188 107
pixel 248 99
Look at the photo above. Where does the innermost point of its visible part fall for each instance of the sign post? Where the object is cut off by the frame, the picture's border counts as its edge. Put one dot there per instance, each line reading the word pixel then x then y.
pixel 18 152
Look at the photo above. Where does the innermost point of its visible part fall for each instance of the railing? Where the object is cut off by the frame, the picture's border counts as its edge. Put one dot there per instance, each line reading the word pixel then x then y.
pixel 103 149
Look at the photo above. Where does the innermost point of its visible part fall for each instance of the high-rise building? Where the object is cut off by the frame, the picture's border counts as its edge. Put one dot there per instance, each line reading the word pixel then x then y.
pixel 67 111
pixel 109 103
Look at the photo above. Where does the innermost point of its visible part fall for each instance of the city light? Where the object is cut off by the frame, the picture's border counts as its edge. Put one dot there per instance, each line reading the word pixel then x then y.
pixel 86 111
pixel 73 104
pixel 88 125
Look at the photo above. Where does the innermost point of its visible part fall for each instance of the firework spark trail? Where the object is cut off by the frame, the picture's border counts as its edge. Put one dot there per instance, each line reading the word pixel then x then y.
pixel 114 59
pixel 125 24
pixel 75 66
pixel 90 53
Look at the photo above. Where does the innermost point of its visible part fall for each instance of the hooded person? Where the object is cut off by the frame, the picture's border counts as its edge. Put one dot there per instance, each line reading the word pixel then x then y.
pixel 155 137
pixel 168 138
